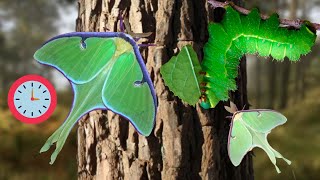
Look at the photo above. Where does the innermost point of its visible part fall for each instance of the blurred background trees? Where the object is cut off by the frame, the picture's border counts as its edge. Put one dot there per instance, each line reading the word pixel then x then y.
pixel 24 27
pixel 279 85
pixel 292 88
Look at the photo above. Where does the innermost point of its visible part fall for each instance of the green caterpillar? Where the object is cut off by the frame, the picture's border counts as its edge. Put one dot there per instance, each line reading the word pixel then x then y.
pixel 229 40
pixel 237 35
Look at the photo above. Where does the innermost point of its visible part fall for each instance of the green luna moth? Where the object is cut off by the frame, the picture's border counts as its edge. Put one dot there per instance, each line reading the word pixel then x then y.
pixel 249 129
pixel 106 71
pixel 229 40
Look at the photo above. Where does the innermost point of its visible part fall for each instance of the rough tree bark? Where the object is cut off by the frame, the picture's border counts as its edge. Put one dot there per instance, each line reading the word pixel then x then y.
pixel 187 143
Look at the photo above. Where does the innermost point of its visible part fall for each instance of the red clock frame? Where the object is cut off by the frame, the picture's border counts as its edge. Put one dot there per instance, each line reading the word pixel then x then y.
pixel 43 117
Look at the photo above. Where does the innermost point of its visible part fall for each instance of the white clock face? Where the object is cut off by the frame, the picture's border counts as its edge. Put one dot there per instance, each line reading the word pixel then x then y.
pixel 32 99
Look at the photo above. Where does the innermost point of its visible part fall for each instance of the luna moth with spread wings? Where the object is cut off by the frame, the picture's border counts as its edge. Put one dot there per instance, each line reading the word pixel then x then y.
pixel 106 71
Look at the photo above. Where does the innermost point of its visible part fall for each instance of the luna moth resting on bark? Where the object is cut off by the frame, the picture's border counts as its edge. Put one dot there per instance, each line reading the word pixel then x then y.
pixel 249 129
pixel 106 71
pixel 228 41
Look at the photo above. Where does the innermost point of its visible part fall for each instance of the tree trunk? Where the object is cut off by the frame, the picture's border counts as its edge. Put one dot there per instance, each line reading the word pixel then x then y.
pixel 187 142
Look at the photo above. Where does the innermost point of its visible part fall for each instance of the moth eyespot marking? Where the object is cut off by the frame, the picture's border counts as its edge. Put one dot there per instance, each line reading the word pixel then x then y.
pixel 138 83
pixel 259 115
pixel 83 45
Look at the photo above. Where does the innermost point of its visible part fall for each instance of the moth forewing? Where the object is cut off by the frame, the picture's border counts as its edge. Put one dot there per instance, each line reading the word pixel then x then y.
pixel 239 140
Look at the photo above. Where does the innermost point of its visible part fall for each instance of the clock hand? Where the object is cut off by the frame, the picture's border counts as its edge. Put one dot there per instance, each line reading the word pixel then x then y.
pixel 32 98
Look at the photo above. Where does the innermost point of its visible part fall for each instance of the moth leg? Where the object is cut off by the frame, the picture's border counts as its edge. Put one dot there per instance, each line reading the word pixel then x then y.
pixel 122 28
pixel 146 45
pixel 105 29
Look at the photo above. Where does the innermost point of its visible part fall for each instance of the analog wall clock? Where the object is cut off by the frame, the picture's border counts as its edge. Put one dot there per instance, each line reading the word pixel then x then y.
pixel 32 99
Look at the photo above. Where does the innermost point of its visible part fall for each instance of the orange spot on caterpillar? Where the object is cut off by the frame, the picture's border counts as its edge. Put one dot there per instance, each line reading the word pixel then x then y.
pixel 203 84
pixel 203 98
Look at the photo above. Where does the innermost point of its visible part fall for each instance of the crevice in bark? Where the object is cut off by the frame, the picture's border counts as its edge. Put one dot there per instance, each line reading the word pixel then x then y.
pixel 176 23
pixel 95 14
pixel 196 150
pixel 200 21
pixel 103 122
pixel 123 135
pixel 92 154
pixel 111 5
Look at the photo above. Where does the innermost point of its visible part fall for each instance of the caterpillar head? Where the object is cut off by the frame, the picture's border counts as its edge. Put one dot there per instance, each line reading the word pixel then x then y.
pixel 205 104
